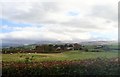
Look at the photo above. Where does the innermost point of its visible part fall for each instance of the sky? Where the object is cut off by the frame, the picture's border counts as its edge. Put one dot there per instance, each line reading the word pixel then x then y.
pixel 58 20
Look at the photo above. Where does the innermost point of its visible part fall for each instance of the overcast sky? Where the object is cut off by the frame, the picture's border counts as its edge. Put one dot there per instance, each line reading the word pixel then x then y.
pixel 58 20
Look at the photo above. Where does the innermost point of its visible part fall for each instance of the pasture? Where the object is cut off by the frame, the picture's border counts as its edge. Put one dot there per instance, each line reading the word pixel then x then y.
pixel 64 56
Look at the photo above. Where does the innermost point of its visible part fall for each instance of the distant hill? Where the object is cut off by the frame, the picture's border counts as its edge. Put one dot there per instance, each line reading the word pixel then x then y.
pixel 99 42
pixel 3 45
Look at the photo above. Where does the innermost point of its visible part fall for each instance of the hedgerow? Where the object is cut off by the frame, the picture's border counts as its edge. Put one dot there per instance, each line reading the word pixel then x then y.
pixel 73 68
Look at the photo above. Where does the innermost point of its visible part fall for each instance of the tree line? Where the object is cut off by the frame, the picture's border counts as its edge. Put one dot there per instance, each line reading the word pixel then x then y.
pixel 47 48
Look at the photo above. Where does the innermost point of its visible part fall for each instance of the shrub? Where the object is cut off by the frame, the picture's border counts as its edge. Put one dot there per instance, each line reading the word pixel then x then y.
pixel 28 59
pixel 73 68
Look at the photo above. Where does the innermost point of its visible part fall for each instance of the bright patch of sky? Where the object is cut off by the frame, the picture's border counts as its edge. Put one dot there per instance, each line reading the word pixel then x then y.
pixel 10 26
pixel 105 36
pixel 13 23
pixel 73 13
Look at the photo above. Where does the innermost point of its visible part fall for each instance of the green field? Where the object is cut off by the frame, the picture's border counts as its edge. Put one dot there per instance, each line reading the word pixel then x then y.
pixel 68 55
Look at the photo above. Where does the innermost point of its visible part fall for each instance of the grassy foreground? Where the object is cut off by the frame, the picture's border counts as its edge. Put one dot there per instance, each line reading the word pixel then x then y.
pixel 72 63
pixel 70 55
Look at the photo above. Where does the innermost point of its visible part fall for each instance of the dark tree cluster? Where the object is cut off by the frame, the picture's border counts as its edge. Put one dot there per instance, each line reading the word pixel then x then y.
pixel 48 48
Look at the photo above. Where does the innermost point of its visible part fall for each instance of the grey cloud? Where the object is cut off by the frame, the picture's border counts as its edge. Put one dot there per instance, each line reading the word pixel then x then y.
pixel 81 24
pixel 75 23
pixel 66 30
pixel 36 11
pixel 27 40
pixel 104 11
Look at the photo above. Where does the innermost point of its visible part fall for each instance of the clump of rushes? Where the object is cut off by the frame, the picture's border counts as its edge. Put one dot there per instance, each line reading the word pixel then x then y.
pixel 28 59
pixel 20 56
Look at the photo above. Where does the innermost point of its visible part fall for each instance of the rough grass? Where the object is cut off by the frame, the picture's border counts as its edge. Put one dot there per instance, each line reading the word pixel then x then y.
pixel 70 55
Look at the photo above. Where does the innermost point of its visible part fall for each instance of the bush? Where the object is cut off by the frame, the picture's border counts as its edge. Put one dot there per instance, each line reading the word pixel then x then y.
pixel 73 68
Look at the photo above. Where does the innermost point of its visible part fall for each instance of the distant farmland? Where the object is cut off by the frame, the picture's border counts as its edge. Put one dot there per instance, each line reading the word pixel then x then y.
pixel 69 55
